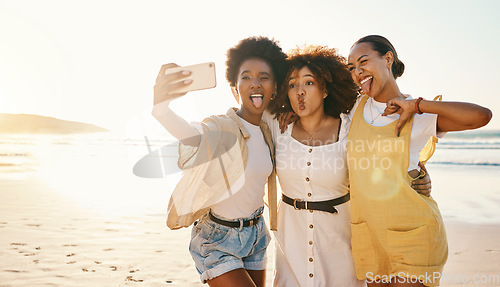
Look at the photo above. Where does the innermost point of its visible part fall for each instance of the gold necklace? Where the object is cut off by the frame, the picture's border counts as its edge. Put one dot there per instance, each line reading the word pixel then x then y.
pixel 310 136
pixel 371 111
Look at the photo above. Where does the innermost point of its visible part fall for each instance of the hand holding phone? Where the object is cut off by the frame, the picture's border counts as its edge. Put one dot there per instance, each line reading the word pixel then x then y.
pixel 174 81
pixel 202 76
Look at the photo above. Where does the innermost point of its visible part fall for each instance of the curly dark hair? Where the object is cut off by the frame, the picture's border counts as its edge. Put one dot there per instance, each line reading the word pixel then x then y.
pixel 256 47
pixel 330 70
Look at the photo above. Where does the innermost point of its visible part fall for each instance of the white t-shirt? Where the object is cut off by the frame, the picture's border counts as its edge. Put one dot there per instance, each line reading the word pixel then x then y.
pixel 424 126
pixel 259 166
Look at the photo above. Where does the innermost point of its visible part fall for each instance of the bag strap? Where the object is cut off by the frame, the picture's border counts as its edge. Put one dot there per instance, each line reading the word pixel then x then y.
pixel 430 147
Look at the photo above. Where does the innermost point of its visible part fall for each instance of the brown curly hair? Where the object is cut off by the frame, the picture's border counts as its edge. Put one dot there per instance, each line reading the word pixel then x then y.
pixel 330 70
pixel 256 47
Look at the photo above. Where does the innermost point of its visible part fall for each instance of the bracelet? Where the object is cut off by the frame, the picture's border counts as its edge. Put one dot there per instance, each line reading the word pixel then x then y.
pixel 417 106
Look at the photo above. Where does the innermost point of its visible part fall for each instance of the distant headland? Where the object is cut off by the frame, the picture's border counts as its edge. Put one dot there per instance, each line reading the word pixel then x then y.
pixel 35 124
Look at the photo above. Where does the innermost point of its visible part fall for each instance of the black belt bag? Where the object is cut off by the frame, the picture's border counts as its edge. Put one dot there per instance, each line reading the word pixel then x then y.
pixel 327 205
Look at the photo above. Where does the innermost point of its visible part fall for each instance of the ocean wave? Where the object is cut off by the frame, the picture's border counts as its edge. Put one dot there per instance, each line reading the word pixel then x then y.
pixel 469 147
pixel 485 134
pixel 465 163
pixel 13 154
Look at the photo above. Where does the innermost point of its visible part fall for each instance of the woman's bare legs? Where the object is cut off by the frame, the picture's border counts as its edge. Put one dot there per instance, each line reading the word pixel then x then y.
pixel 240 277
pixel 258 277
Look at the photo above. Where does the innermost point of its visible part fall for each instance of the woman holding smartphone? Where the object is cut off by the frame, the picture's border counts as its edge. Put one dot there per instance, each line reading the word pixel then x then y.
pixel 227 161
pixel 255 76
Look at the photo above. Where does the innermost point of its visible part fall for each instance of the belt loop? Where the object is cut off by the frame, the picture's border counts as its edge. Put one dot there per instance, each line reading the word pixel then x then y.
pixel 241 225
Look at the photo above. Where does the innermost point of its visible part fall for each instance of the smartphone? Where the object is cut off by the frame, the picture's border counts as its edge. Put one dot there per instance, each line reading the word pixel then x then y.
pixel 203 76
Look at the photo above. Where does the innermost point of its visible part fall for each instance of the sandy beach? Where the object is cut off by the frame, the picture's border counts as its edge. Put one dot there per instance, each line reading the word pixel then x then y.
pixel 92 228
pixel 48 240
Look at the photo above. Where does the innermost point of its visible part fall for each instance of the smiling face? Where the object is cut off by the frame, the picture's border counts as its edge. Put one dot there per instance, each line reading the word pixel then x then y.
pixel 255 85
pixel 305 93
pixel 369 70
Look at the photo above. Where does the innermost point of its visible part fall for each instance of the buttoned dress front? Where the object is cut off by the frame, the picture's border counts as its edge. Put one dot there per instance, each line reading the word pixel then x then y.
pixel 312 248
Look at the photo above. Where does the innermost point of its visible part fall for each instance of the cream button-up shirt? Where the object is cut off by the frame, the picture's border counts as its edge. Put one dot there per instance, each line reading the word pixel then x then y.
pixel 215 168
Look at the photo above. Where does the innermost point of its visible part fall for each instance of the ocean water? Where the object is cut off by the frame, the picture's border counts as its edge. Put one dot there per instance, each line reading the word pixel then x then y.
pixel 465 174
pixel 100 171
pixel 471 148
pixel 94 171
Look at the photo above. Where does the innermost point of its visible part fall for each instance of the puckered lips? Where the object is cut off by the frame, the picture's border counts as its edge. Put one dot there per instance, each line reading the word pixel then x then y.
pixel 366 84
pixel 257 99
pixel 302 105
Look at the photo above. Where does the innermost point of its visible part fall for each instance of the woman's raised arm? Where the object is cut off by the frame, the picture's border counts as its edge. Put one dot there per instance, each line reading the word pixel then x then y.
pixel 164 92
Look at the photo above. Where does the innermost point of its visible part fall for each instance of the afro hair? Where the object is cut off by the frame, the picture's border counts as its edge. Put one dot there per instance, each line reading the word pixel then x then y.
pixel 256 47
pixel 330 70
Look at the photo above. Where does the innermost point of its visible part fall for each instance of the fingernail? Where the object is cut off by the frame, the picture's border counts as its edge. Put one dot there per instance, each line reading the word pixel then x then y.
pixel 185 72
pixel 188 81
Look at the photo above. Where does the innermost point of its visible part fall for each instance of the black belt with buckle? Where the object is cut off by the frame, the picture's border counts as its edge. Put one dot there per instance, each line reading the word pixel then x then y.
pixel 327 205
pixel 235 224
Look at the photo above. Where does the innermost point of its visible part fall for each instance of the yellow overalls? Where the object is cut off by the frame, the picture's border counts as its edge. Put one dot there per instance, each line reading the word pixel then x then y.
pixel 395 230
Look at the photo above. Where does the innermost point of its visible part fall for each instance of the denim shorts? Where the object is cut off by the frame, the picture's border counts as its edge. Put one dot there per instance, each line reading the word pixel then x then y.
pixel 217 249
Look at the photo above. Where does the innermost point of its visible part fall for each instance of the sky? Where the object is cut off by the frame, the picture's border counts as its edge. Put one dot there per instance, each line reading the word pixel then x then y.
pixel 97 61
